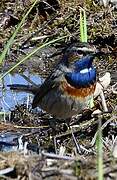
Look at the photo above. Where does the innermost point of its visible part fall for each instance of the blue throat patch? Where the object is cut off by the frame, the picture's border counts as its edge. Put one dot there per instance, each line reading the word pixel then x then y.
pixel 78 79
pixel 84 73
pixel 84 62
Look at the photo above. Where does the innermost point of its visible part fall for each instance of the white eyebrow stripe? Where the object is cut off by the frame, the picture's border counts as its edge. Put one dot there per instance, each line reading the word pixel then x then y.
pixel 85 49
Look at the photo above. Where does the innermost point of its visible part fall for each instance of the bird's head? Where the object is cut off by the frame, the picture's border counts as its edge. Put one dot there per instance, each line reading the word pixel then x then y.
pixel 78 60
pixel 76 52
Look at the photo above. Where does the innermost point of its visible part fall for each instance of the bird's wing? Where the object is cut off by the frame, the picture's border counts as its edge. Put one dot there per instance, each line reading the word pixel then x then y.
pixel 51 82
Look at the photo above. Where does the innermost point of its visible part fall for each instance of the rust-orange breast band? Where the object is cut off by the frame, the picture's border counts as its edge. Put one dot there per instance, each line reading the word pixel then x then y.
pixel 77 92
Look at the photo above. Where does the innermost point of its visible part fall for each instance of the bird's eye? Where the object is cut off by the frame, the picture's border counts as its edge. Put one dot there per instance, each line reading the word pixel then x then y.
pixel 80 52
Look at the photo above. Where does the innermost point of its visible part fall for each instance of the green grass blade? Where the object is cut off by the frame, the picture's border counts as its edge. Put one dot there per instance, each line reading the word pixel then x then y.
pixel 99 145
pixel 85 26
pixel 2 113
pixel 30 54
pixel 81 27
pixel 10 41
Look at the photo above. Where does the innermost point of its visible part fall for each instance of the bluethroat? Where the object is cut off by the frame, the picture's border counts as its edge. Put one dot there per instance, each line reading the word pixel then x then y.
pixel 70 87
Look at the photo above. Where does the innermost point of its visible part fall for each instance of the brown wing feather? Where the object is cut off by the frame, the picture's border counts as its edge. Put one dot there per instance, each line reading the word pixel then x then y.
pixel 51 82
pixel 43 90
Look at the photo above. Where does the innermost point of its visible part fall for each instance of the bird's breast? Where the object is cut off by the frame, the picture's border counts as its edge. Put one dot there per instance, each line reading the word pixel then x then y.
pixel 77 92
pixel 66 101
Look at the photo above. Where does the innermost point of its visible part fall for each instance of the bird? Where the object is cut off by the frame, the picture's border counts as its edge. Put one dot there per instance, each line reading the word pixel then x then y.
pixel 69 89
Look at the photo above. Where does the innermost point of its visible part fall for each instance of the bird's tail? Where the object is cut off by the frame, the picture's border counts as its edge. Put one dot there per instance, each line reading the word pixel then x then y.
pixel 24 88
